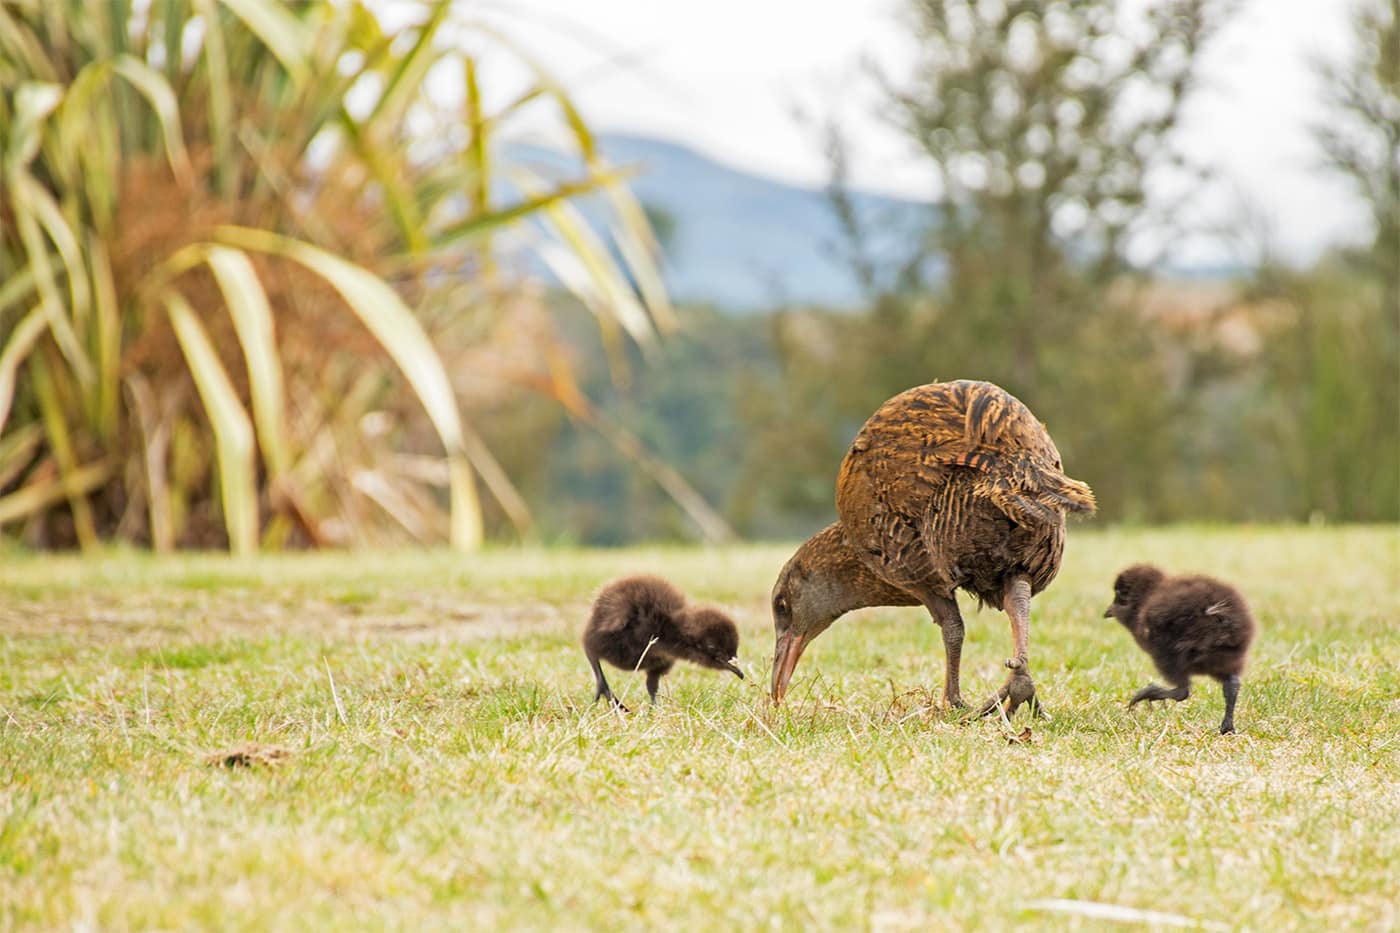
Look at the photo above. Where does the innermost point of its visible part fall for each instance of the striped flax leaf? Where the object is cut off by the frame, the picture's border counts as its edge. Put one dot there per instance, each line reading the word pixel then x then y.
pixel 232 432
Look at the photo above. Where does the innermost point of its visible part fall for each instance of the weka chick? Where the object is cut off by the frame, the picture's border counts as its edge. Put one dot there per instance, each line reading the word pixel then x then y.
pixel 643 623
pixel 947 486
pixel 1189 625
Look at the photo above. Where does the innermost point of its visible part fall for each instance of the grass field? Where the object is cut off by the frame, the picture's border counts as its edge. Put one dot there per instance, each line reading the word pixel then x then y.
pixel 443 766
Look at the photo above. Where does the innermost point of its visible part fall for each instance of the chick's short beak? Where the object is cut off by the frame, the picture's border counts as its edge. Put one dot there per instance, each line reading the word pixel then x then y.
pixel 789 648
pixel 733 665
pixel 1108 613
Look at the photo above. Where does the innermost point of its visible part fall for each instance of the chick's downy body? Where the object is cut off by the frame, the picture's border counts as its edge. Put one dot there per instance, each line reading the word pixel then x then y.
pixel 1189 626
pixel 644 623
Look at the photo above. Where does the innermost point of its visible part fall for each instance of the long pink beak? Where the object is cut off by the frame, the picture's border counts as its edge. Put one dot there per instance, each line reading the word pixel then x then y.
pixel 789 648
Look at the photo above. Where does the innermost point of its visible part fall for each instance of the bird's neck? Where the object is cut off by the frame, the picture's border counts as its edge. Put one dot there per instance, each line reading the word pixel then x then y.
pixel 847 582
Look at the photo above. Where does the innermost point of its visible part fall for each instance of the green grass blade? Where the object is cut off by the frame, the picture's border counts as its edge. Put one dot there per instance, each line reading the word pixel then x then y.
pixel 475 224
pixel 21 50
pixel 283 34
pixel 34 101
pixel 18 286
pixel 17 449
pixel 155 434
pixel 404 80
pixel 252 319
pixel 24 191
pixel 233 434
pixel 109 336
pixel 220 94
pixel 50 490
pixel 396 189
pixel 60 441
pixel 173 19
pixel 611 285
pixel 637 243
pixel 22 339
pixel 385 315
pixel 159 94
pixel 550 87
pixel 478 163
pixel 45 209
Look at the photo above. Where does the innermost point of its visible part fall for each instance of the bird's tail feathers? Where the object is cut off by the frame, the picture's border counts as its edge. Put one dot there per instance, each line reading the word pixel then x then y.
pixel 1068 495
pixel 1029 493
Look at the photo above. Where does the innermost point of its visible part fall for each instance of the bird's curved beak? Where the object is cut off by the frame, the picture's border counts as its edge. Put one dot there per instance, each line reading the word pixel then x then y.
pixel 789 648
pixel 733 665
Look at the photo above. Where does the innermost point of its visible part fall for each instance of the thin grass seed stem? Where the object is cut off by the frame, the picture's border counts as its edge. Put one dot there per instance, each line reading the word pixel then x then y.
pixel 339 710
pixel 764 726
pixel 146 694
pixel 711 723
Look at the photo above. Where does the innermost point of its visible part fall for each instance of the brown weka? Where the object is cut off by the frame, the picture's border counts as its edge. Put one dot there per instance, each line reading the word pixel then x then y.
pixel 952 485
pixel 644 623
pixel 1189 625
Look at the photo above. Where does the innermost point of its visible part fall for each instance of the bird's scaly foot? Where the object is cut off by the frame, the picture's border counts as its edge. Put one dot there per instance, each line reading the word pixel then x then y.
pixel 1018 689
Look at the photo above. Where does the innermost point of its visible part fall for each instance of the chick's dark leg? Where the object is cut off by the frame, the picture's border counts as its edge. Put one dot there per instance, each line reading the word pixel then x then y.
pixel 1019 688
pixel 945 613
pixel 654 673
pixel 602 683
pixel 1231 685
pixel 1152 693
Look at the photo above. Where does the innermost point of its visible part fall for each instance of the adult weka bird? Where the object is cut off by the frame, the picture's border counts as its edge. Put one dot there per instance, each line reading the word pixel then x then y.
pixel 952 485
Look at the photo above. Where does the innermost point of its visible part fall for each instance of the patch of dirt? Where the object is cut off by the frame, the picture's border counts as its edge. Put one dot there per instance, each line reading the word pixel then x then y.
pixel 249 755
pixel 154 618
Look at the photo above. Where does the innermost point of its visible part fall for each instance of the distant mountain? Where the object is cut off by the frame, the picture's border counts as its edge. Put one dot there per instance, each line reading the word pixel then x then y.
pixel 747 243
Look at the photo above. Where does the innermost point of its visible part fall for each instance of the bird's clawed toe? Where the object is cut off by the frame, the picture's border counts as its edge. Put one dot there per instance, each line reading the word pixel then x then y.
pixel 1018 689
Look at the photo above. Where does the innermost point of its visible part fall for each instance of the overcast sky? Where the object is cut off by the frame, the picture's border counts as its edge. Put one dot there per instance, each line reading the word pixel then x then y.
pixel 728 76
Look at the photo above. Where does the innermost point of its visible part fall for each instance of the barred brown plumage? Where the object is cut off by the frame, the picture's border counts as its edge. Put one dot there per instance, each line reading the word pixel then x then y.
pixel 947 486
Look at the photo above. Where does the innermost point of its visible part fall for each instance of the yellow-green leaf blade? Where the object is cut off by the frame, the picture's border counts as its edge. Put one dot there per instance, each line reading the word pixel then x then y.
pixel 385 315
pixel 233 435
pixel 252 320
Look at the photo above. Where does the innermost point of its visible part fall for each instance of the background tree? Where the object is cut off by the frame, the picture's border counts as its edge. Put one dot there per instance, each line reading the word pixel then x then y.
pixel 1328 403
pixel 1049 128
pixel 1361 136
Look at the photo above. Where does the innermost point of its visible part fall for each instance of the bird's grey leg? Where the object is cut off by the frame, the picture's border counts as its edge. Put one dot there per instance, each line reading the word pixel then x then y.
pixel 1019 688
pixel 653 682
pixel 1231 685
pixel 945 613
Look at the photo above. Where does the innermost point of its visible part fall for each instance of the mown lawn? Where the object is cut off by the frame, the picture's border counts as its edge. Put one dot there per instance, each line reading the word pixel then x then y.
pixel 444 768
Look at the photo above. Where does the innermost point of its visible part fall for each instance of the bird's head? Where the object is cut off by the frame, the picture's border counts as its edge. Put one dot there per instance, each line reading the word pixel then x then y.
pixel 1130 591
pixel 810 594
pixel 712 639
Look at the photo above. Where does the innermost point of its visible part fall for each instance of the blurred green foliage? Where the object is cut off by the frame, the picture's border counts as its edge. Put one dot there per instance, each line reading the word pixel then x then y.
pixel 1275 396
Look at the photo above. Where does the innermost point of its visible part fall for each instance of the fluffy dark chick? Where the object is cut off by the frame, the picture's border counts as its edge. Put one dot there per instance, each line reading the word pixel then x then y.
pixel 643 623
pixel 1189 625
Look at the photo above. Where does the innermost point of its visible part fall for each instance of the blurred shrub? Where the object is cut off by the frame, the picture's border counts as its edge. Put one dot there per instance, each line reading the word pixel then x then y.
pixel 248 254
